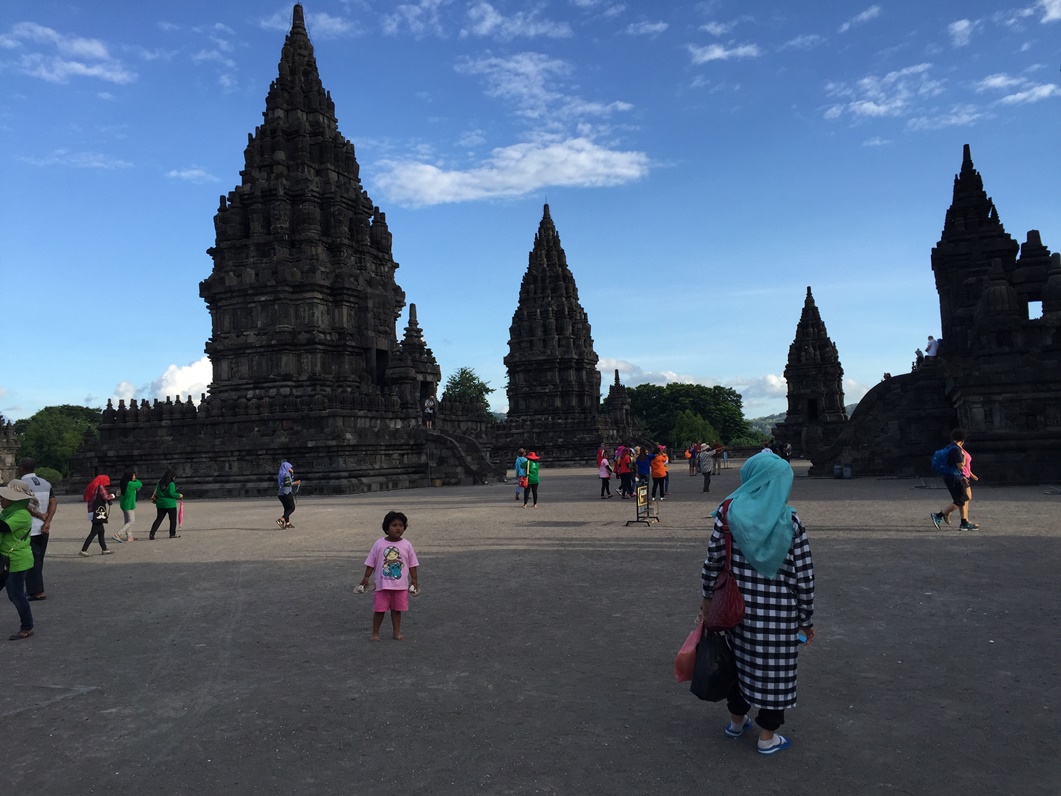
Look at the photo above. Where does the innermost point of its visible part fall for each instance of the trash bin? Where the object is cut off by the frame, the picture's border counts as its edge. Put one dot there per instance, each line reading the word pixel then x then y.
pixel 848 473
pixel 838 471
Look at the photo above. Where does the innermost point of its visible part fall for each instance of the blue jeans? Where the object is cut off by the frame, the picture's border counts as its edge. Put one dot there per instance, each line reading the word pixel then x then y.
pixel 16 592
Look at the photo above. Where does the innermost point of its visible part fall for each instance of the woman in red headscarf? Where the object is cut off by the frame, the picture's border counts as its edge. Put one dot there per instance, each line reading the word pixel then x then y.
pixel 98 497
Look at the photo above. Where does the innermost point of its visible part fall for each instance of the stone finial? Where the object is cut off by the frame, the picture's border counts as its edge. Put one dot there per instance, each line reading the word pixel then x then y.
pixel 298 19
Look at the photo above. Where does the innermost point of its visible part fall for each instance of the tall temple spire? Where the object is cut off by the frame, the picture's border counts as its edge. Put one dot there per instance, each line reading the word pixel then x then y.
pixel 973 237
pixel 816 413
pixel 551 362
pixel 302 294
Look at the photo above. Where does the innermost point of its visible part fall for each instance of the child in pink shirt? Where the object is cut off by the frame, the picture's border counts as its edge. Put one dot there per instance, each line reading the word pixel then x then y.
pixel 393 560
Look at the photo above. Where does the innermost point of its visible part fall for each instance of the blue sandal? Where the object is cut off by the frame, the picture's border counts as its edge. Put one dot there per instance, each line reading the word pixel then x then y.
pixel 732 733
pixel 773 750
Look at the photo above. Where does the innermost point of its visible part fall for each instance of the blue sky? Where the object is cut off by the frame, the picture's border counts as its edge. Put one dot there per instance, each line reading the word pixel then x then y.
pixel 704 163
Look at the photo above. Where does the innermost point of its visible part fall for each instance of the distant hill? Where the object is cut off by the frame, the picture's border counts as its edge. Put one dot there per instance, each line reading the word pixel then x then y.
pixel 763 425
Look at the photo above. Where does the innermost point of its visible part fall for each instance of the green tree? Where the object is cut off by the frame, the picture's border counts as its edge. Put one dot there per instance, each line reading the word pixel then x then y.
pixel 659 407
pixel 54 434
pixel 465 387
pixel 690 428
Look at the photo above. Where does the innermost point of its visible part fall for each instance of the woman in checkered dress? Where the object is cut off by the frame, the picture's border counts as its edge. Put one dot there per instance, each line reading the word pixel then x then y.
pixel 772 565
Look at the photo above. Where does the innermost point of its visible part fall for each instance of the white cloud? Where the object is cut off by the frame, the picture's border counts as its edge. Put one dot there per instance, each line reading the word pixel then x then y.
pixel 513 171
pixel 646 28
pixel 999 81
pixel 325 26
pixel 485 20
pixel 320 25
pixel 533 83
pixel 194 174
pixel 893 94
pixel 718 28
pixel 192 379
pixel 471 139
pixel 718 52
pixel 961 32
pixel 876 141
pixel 958 116
pixel 80 160
pixel 855 391
pixel 1051 10
pixel 420 19
pixel 870 13
pixel 213 56
pixel 73 56
pixel 1032 94
pixel 807 41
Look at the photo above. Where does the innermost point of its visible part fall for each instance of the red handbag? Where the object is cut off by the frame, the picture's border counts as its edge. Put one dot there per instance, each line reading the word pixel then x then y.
pixel 727 603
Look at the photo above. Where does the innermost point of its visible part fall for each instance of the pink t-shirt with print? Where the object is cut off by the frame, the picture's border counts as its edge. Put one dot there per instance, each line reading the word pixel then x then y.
pixel 602 470
pixel 390 562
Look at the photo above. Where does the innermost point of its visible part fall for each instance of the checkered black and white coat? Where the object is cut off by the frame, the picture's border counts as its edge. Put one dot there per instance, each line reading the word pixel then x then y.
pixel 764 644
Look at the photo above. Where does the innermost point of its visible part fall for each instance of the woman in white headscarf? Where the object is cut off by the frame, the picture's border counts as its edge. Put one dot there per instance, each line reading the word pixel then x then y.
pixel 771 562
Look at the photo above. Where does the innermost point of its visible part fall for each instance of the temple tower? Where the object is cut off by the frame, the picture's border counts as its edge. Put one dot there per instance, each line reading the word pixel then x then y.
pixel 307 363
pixel 553 383
pixel 816 414
pixel 552 368
pixel 302 295
pixel 973 237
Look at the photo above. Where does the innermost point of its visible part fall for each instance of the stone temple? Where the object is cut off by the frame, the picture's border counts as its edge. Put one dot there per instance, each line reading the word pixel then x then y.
pixel 554 404
pixel 304 304
pixel 998 373
pixel 816 413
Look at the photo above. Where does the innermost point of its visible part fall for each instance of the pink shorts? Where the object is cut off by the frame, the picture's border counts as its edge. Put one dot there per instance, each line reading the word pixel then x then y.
pixel 390 600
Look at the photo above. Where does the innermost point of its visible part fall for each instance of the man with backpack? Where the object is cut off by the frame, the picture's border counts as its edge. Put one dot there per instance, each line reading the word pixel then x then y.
pixel 950 462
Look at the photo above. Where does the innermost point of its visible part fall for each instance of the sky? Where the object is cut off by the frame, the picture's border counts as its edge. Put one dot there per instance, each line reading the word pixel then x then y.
pixel 704 164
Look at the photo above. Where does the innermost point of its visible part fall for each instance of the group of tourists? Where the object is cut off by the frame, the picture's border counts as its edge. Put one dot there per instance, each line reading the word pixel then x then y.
pixel 27 508
pixel 167 498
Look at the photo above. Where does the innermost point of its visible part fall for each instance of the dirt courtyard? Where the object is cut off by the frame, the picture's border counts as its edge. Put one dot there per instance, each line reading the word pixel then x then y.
pixel 538 657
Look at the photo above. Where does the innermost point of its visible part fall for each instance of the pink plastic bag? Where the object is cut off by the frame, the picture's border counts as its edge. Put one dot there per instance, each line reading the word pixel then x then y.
pixel 180 515
pixel 686 657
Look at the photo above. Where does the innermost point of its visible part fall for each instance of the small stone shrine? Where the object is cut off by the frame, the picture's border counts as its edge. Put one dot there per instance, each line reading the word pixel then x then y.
pixel 554 405
pixel 998 371
pixel 816 413
pixel 8 450
pixel 304 304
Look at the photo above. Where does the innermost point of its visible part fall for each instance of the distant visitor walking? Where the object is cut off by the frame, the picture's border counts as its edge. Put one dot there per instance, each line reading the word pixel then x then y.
pixel 287 485
pixel 533 479
pixel 950 462
pixel 98 497
pixel 127 501
pixel 165 498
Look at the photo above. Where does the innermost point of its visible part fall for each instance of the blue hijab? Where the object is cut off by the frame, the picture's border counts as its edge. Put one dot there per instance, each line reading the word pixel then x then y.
pixel 760 518
pixel 285 468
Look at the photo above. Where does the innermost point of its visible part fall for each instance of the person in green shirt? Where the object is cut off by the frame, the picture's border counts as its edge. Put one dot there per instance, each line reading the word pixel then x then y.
pixel 532 479
pixel 130 486
pixel 166 497
pixel 15 524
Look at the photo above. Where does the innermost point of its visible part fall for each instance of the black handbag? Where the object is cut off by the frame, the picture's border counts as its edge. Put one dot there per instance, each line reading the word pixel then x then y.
pixel 715 670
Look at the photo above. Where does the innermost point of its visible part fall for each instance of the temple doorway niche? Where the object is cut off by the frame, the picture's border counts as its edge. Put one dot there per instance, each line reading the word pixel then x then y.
pixel 812 408
pixel 1035 310
pixel 382 361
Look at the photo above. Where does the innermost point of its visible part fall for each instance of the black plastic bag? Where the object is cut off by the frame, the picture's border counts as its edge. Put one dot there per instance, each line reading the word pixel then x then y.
pixel 715 670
